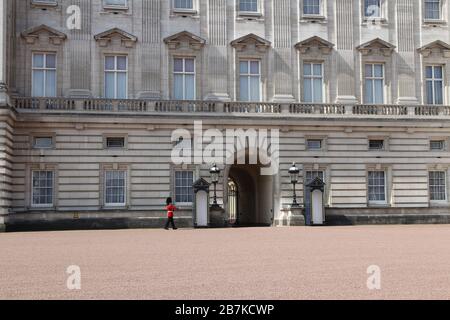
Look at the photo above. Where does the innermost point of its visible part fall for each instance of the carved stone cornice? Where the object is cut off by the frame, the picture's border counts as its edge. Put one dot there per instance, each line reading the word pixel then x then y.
pixel 376 46
pixel 437 46
pixel 55 37
pixel 323 45
pixel 242 43
pixel 193 41
pixel 127 39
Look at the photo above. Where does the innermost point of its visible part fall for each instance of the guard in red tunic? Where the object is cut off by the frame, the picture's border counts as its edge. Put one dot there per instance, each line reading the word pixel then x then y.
pixel 170 210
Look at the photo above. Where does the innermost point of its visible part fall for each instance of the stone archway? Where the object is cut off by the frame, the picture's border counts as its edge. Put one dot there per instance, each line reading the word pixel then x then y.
pixel 255 196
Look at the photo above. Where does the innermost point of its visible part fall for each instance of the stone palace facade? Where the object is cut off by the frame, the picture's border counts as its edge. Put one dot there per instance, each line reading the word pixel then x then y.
pixel 92 90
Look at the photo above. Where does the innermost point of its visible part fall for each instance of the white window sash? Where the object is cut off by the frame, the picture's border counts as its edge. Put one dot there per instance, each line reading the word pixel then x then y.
pixel 378 202
pixel 184 74
pixel 248 77
pixel 184 188
pixel 438 186
pixel 42 205
pixel 45 71
pixel 108 204
pixel 116 73
pixel 311 78
pixel 373 79
pixel 433 80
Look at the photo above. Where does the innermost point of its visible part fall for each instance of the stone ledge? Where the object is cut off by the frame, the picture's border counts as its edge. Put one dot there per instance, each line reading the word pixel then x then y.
pixel 93 224
pixel 385 219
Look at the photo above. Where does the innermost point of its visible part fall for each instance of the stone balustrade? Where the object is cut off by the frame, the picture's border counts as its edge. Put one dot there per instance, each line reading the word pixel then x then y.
pixel 174 106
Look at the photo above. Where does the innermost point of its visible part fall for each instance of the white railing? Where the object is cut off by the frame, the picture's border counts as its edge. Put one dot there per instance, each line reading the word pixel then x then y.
pixel 197 106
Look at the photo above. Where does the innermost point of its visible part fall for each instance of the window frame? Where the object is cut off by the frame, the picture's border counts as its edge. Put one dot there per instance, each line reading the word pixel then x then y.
pixel 445 200
pixel 444 145
pixel 125 189
pixel 319 15
pixel 184 73
pixel 192 10
pixel 44 3
pixel 45 70
pixel 312 77
pixel 35 137
pixel 43 205
pixel 377 202
pixel 433 81
pixel 182 203
pixel 427 19
pixel 115 72
pixel 249 75
pixel 257 13
pixel 373 80
pixel 116 6
pixel 383 148
pixel 321 141
pixel 107 137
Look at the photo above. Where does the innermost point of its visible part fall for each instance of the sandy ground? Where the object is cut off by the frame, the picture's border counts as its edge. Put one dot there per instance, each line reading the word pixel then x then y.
pixel 253 263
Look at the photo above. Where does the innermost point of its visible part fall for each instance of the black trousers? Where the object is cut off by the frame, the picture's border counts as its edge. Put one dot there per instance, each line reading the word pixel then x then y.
pixel 170 221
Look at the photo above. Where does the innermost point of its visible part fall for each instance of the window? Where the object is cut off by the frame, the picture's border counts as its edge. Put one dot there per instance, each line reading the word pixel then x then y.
pixel 248 5
pixel 116 78
pixel 183 4
pixel 372 8
pixel 432 10
pixel 434 84
pixel 312 174
pixel 374 83
pixel 184 78
pixel 115 142
pixel 249 80
pixel 314 144
pixel 42 142
pixel 437 145
pixel 313 82
pixel 115 188
pixel 311 7
pixel 44 75
pixel 437 185
pixel 183 186
pixel 42 190
pixel 376 144
pixel 116 3
pixel 44 2
pixel 377 187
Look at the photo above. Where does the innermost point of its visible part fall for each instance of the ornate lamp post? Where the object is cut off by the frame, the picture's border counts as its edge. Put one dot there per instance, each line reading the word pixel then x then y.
pixel 293 172
pixel 215 172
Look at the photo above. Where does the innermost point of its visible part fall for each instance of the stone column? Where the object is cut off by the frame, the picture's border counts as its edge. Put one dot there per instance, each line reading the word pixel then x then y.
pixel 217 51
pixel 345 55
pixel 6 121
pixel 150 50
pixel 405 61
pixel 3 51
pixel 282 52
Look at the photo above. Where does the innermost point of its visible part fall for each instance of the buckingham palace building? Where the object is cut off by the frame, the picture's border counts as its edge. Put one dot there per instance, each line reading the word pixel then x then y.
pixel 280 112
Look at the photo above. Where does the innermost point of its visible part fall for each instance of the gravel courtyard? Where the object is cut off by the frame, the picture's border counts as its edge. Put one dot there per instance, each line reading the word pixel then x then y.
pixel 247 263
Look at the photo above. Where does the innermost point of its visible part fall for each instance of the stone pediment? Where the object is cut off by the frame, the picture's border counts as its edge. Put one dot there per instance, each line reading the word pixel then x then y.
pixel 315 42
pixel 127 39
pixel 251 39
pixel 435 46
pixel 316 184
pixel 55 37
pixel 375 46
pixel 201 184
pixel 193 41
